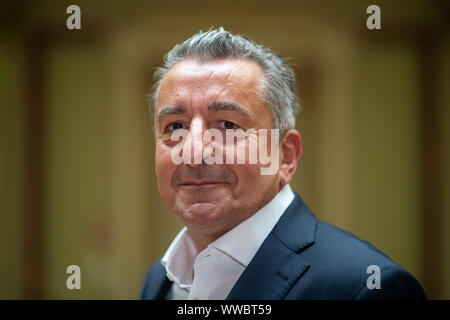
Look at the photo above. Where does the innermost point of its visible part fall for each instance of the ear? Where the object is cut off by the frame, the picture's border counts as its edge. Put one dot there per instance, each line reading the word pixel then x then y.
pixel 291 151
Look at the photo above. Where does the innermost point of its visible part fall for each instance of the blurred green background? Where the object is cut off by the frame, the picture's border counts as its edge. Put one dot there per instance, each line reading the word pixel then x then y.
pixel 77 182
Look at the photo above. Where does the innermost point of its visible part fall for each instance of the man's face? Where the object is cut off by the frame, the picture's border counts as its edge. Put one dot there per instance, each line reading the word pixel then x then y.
pixel 220 94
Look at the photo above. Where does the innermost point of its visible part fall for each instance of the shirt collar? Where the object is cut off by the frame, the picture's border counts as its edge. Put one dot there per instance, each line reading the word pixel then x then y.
pixel 179 259
pixel 240 243
pixel 243 241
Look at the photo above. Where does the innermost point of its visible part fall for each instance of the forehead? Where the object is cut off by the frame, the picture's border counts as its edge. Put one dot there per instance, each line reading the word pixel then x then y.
pixel 208 81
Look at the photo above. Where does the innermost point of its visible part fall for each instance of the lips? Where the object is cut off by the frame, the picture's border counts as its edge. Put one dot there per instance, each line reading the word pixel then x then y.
pixel 201 183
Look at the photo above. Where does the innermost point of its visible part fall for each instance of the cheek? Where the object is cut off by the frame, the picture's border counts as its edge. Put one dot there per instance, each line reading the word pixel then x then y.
pixel 250 175
pixel 249 178
pixel 240 150
pixel 164 168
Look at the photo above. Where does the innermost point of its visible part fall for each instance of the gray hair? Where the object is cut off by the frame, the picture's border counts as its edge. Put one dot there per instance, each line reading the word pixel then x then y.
pixel 278 88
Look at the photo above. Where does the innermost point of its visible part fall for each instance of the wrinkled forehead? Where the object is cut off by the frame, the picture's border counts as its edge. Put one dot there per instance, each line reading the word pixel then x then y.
pixel 235 77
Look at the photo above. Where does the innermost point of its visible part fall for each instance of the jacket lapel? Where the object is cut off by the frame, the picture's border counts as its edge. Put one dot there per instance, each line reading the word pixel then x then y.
pixel 277 265
pixel 158 285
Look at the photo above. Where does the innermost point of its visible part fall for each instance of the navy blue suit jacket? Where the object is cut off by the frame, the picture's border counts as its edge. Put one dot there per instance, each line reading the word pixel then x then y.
pixel 303 258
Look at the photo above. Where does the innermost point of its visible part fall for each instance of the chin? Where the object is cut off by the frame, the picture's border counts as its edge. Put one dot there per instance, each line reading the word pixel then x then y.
pixel 201 214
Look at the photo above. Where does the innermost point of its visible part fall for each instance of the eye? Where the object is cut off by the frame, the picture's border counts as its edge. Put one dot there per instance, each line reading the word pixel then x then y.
pixel 175 126
pixel 228 125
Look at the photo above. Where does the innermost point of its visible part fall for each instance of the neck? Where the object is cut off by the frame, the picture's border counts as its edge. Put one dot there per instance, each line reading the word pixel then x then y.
pixel 203 239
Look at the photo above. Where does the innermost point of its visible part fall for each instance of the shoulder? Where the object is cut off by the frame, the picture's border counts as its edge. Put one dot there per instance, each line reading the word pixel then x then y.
pixel 345 249
pixel 341 264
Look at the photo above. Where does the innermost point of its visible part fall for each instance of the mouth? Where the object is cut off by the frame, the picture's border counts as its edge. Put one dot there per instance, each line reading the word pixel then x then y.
pixel 202 183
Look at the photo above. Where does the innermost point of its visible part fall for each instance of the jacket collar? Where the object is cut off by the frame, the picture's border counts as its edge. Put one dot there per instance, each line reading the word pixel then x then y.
pixel 297 226
pixel 278 263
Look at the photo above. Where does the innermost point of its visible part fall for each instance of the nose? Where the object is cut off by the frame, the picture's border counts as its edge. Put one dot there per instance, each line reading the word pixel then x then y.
pixel 193 148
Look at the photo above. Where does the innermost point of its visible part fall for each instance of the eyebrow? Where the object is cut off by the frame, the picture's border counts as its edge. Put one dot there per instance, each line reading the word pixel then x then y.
pixel 215 106
pixel 227 106
pixel 166 111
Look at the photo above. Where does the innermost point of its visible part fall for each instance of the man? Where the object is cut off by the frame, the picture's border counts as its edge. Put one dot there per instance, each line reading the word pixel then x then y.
pixel 246 234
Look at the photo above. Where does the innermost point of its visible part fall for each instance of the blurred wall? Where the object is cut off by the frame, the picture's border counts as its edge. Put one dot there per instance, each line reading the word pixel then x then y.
pixel 11 167
pixel 364 95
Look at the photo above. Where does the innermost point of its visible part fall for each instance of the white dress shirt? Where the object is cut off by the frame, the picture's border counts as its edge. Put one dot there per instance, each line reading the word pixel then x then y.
pixel 212 273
